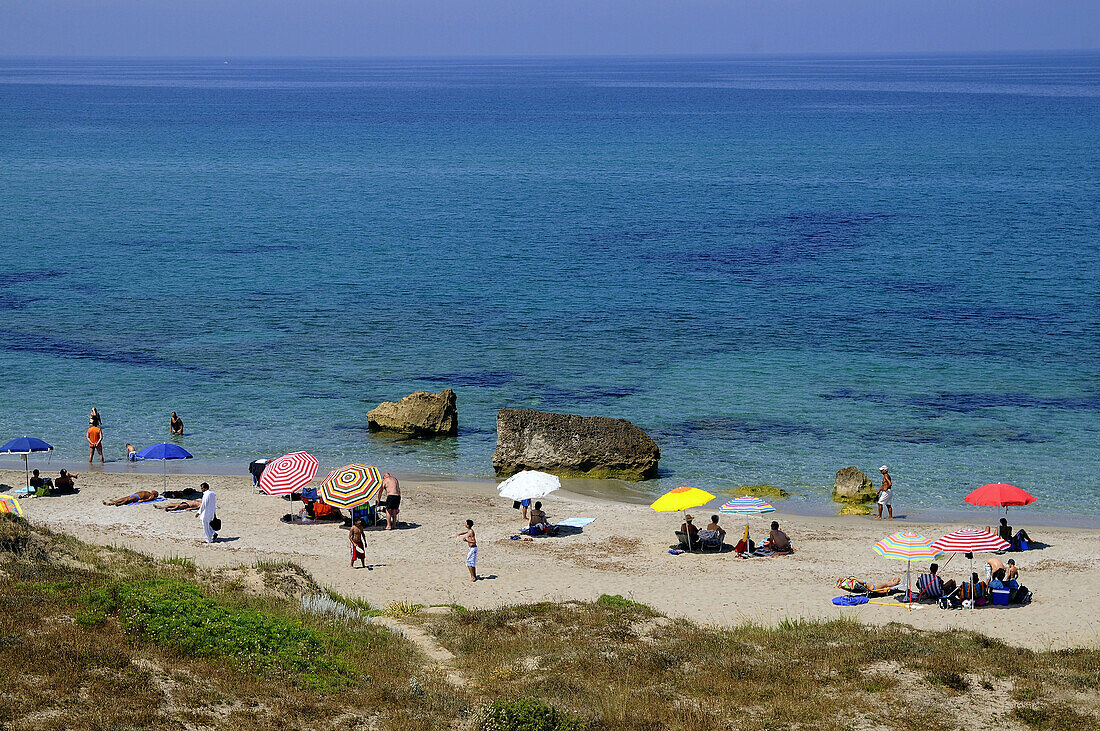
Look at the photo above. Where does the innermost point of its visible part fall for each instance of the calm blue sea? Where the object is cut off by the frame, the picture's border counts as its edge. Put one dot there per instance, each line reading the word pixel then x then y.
pixel 778 267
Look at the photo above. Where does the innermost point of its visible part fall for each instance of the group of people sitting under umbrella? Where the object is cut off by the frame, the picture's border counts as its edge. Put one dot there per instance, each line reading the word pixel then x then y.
pixel 714 536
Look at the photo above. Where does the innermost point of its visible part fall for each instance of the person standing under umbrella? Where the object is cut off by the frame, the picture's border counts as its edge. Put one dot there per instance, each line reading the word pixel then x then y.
pixel 885 493
pixel 207 509
pixel 393 499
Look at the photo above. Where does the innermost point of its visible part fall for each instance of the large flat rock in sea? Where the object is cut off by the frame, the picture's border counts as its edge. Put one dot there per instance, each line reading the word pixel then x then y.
pixel 573 446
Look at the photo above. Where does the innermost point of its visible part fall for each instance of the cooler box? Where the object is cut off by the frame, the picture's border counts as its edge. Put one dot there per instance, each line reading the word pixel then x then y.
pixel 1000 596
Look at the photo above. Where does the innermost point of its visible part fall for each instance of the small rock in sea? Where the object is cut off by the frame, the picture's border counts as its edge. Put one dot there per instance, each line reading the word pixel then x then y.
pixel 420 414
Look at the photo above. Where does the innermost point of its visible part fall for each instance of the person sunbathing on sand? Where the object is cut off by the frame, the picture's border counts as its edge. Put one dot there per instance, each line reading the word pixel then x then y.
pixel 180 505
pixel 141 496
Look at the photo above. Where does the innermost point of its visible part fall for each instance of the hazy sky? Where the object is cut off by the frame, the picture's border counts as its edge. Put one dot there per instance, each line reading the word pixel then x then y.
pixel 519 27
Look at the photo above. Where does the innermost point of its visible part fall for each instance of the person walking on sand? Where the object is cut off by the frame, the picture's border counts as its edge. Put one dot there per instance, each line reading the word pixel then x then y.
pixel 358 547
pixel 471 555
pixel 393 499
pixel 175 425
pixel 95 443
pixel 885 493
pixel 207 509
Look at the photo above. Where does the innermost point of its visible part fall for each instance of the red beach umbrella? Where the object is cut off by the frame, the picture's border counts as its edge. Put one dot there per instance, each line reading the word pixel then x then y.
pixel 999 495
pixel 970 540
pixel 288 474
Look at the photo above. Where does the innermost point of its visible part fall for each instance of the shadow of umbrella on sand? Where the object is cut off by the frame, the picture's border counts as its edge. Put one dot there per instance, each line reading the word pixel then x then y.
pixel 164 451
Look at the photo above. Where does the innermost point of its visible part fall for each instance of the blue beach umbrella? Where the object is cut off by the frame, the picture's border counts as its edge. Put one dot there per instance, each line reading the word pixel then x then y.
pixel 25 446
pixel 164 451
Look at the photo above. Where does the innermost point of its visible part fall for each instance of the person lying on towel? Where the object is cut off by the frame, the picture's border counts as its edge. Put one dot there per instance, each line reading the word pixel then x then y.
pixel 180 505
pixel 859 586
pixel 141 496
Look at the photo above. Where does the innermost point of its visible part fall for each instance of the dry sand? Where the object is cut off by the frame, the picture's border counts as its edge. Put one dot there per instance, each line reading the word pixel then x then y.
pixel 624 552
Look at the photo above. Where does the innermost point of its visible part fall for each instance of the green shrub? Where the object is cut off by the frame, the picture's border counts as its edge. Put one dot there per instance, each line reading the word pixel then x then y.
pixel 176 614
pixel 616 601
pixel 527 714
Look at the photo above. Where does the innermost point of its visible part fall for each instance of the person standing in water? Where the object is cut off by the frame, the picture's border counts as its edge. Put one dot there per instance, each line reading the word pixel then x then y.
pixel 885 493
pixel 94 418
pixel 95 443
pixel 175 425
pixel 206 513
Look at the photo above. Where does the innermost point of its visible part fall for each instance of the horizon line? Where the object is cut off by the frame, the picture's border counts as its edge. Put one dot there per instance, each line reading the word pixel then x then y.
pixel 510 56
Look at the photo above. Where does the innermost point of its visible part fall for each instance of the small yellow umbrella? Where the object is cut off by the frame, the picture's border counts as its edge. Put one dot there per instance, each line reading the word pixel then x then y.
pixel 682 498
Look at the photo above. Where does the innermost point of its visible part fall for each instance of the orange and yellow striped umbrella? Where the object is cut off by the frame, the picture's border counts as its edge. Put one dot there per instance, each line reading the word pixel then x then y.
pixel 351 485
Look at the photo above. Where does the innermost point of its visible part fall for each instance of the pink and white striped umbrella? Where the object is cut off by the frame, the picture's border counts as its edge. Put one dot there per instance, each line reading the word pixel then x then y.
pixel 970 540
pixel 288 474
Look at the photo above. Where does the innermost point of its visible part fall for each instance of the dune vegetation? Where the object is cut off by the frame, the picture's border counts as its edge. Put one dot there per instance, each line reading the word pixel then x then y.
pixel 112 639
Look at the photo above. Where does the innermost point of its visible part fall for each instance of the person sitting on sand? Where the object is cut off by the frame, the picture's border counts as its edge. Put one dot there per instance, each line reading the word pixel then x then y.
pixel 539 524
pixel 180 505
pixel 131 453
pixel 64 484
pixel 38 481
pixel 1006 534
pixel 175 425
pixel 778 540
pixel 141 496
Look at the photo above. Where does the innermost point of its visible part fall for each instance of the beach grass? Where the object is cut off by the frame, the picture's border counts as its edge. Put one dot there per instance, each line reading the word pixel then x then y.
pixel 165 645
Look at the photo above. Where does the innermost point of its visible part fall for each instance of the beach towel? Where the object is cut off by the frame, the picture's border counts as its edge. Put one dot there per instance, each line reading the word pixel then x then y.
pixel 849 601
pixel 575 522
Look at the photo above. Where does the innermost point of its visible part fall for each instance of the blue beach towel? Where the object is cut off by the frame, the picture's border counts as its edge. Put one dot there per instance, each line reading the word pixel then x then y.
pixel 575 522
pixel 849 601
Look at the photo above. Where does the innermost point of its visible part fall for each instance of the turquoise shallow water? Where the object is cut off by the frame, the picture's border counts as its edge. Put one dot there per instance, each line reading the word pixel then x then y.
pixel 777 267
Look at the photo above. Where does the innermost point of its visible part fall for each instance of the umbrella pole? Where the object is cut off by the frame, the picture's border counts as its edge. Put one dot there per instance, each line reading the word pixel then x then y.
pixel 27 470
pixel 908 586
pixel 165 487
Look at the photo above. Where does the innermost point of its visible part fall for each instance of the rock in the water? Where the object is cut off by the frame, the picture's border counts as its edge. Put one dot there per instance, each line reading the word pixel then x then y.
pixel 852 486
pixel 573 446
pixel 420 413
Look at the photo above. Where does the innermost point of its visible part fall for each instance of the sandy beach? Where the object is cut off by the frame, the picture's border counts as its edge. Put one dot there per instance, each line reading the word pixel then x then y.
pixel 625 551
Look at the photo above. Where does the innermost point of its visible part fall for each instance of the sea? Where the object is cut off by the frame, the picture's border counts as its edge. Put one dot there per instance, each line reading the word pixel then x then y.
pixel 776 266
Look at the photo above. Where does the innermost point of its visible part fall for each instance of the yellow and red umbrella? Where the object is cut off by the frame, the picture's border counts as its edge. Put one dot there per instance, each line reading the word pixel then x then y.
pixel 351 485
pixel 9 504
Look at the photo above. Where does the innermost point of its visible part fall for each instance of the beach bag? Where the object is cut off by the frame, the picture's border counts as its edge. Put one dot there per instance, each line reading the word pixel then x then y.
pixel 215 523
pixel 1022 545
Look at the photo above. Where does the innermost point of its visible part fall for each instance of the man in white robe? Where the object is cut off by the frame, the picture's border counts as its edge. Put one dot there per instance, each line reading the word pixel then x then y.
pixel 206 512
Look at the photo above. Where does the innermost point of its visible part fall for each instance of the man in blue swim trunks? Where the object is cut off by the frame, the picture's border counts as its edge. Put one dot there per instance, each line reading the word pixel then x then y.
pixel 141 496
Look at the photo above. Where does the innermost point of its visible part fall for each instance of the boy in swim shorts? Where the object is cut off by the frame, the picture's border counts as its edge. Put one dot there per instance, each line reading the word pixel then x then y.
pixel 358 547
pixel 471 555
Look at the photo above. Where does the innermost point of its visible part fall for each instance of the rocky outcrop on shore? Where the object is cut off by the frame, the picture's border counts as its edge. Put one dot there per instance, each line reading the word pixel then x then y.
pixel 419 414
pixel 854 490
pixel 573 446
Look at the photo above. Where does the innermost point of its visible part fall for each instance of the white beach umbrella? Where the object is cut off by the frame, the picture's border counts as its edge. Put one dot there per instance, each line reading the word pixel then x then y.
pixel 528 485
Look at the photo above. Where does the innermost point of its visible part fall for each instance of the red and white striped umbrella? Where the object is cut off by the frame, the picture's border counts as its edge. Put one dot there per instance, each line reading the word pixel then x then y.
pixel 288 474
pixel 970 540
